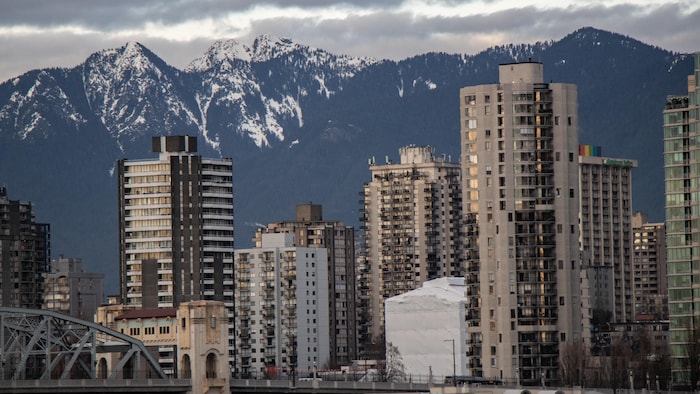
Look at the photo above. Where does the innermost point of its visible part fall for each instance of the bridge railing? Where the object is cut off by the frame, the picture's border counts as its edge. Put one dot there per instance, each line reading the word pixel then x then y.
pixel 322 385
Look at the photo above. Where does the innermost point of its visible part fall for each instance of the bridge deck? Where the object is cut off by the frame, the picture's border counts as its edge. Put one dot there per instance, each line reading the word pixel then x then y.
pixel 86 386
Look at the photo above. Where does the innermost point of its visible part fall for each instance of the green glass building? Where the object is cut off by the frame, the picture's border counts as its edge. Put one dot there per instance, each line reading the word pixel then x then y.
pixel 682 182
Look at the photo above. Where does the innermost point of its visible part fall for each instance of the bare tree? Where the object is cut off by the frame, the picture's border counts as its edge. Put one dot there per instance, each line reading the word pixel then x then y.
pixel 692 362
pixel 395 370
pixel 618 365
pixel 572 364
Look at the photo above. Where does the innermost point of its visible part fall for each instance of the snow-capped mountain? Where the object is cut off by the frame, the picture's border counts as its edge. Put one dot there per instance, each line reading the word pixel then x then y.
pixel 265 85
pixel 299 122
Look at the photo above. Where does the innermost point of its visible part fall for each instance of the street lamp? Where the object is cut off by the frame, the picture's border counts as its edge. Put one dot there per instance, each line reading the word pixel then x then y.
pixel 454 362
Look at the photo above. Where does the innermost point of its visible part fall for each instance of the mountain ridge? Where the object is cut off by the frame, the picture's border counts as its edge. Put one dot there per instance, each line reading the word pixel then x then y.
pixel 301 118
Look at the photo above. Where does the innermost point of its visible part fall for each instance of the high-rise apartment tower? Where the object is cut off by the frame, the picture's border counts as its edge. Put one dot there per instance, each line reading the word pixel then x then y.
pixel 176 227
pixel 606 232
pixel 311 230
pixel 649 269
pixel 412 226
pixel 24 254
pixel 281 308
pixel 682 179
pixel 519 141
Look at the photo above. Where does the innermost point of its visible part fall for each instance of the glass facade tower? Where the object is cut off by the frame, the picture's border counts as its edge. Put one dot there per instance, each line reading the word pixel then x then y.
pixel 682 176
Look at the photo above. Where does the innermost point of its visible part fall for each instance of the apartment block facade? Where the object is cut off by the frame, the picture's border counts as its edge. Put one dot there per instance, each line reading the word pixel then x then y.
pixel 25 252
pixel 606 232
pixel 70 290
pixel 649 269
pixel 412 222
pixel 176 227
pixel 281 295
pixel 681 118
pixel 311 230
pixel 519 142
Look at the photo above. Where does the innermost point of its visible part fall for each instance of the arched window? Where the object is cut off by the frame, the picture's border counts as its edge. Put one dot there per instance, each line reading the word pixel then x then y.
pixel 102 368
pixel 186 368
pixel 211 366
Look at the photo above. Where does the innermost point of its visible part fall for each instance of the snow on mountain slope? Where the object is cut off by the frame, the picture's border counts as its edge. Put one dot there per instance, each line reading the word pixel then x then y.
pixel 265 84
pixel 35 109
pixel 132 91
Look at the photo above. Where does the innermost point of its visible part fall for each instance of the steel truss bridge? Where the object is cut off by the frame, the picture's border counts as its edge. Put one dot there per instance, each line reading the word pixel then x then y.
pixel 54 350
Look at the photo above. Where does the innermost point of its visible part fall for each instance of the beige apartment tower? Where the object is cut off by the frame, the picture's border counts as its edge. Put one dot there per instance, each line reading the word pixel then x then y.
pixel 521 194
pixel 412 226
pixel 606 233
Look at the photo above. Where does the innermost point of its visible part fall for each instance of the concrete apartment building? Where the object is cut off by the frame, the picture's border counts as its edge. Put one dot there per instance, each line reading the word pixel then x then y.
pixel 606 232
pixel 682 174
pixel 649 269
pixel 176 227
pixel 311 230
pixel 282 311
pixel 412 226
pixel 189 342
pixel 70 290
pixel 25 252
pixel 519 140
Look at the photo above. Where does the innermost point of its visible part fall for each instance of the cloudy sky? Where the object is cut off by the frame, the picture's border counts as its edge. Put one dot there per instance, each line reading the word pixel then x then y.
pixel 43 33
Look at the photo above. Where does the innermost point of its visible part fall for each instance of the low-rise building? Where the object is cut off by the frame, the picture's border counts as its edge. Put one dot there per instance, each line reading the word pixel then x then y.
pixel 189 342
pixel 427 327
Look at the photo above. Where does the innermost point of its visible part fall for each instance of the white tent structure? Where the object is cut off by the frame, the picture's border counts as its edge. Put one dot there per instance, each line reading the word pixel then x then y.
pixel 425 324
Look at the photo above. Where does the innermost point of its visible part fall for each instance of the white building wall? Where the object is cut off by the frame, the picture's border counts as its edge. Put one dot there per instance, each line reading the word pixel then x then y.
pixel 313 335
pixel 423 323
pixel 287 312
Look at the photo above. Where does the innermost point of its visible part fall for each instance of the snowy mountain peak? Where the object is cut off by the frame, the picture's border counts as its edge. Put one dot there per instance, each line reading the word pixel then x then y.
pixel 267 46
pixel 222 52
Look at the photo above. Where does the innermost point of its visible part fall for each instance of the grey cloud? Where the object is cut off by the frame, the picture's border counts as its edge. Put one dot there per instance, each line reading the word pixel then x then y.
pixel 381 34
pixel 112 15
pixel 397 35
